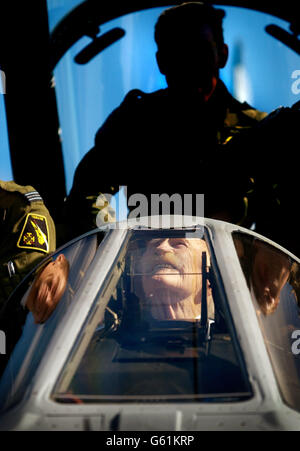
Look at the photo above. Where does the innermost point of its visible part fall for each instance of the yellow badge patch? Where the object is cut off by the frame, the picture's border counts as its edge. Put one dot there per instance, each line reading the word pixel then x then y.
pixel 35 234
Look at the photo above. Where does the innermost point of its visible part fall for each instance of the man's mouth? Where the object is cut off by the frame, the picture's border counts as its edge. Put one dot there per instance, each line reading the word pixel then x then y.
pixel 162 268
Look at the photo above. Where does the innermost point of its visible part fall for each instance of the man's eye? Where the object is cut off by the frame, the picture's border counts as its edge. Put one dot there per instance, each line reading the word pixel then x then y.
pixel 179 243
pixel 155 242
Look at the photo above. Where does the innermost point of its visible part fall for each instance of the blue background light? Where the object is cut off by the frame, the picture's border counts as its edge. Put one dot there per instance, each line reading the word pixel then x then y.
pixel 259 71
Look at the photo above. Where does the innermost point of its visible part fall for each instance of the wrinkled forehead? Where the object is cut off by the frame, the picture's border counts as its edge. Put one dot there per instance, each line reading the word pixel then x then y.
pixel 177 241
pixel 142 238
pixel 146 248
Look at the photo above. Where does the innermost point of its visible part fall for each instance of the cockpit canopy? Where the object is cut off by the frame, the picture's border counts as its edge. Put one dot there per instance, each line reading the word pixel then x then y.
pixel 151 315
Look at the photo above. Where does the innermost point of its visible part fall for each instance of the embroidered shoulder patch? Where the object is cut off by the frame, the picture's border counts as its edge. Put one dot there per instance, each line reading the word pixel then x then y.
pixel 35 234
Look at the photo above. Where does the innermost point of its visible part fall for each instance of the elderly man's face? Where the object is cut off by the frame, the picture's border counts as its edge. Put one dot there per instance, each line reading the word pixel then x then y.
pixel 171 268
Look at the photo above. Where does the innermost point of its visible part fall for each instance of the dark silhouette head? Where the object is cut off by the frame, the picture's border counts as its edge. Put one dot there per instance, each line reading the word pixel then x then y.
pixel 191 47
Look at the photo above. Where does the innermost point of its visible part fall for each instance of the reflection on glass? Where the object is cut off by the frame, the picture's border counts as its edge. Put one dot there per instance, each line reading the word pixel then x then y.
pixel 158 329
pixel 47 288
pixel 49 293
pixel 273 280
pixel 266 269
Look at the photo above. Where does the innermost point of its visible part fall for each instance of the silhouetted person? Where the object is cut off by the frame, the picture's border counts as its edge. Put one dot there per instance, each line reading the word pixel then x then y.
pixel 270 153
pixel 171 141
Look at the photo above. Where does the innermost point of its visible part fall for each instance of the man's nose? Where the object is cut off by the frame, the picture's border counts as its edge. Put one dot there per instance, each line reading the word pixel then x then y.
pixel 163 247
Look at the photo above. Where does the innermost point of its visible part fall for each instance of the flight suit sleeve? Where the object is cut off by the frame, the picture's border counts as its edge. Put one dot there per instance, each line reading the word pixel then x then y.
pixel 95 181
pixel 27 234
